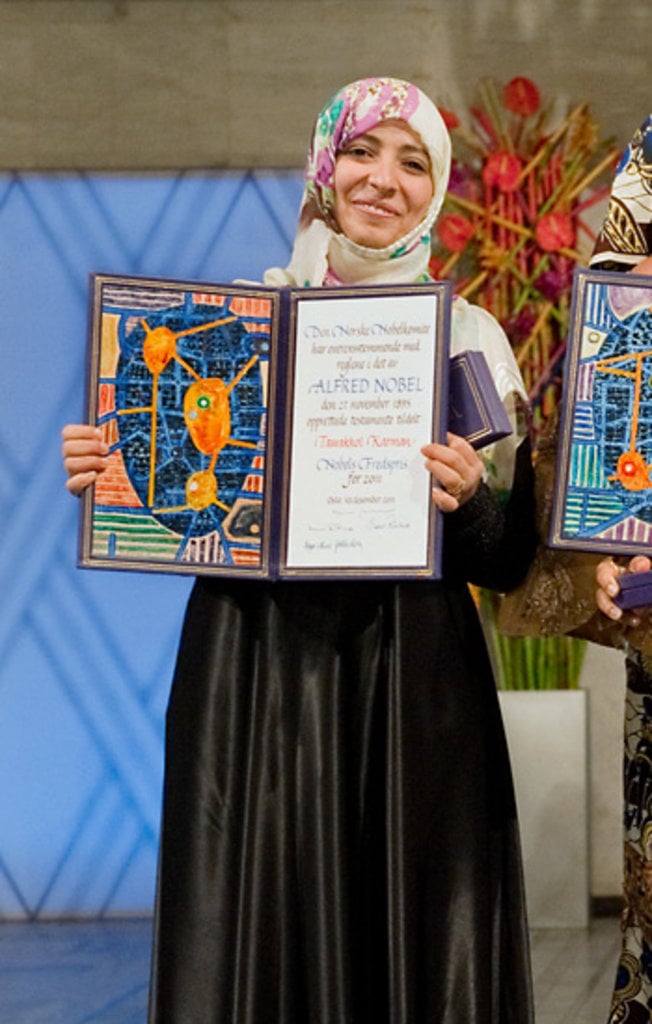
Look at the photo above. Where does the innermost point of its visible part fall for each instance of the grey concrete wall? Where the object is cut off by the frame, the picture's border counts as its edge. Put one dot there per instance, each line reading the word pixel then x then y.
pixel 232 83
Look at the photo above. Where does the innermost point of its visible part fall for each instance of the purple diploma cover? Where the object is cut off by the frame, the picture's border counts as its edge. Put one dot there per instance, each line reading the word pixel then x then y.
pixel 266 432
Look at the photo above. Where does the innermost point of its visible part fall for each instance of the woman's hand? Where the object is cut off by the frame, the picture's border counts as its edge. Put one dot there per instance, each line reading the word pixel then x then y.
pixel 84 455
pixel 457 469
pixel 607 575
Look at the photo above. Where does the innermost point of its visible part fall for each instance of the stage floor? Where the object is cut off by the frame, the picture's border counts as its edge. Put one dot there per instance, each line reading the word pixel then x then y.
pixel 97 972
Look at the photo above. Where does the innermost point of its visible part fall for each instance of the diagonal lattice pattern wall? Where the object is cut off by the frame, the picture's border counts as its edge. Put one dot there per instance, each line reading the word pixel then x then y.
pixel 86 657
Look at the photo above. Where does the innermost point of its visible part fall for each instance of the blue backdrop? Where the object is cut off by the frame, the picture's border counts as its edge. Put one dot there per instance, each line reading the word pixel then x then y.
pixel 86 656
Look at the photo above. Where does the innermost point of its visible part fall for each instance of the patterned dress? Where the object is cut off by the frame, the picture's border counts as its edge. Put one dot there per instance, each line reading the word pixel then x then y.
pixel 632 997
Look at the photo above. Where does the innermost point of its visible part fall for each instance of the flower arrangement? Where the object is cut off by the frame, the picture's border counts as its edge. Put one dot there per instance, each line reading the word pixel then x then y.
pixel 516 220
pixel 515 224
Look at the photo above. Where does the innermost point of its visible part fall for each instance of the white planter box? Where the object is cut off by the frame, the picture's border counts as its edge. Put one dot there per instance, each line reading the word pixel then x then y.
pixel 547 737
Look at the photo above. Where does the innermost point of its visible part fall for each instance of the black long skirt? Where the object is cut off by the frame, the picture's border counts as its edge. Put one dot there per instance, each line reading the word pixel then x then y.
pixel 339 839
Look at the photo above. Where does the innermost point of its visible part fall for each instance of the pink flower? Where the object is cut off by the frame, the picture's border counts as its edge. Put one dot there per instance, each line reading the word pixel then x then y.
pixel 455 231
pixel 553 283
pixel 502 170
pixel 519 326
pixel 461 181
pixel 521 96
pixel 554 231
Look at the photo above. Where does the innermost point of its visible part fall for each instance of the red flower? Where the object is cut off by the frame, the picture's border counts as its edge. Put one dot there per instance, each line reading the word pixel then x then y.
pixel 450 119
pixel 435 266
pixel 521 96
pixel 554 231
pixel 503 170
pixel 485 123
pixel 455 231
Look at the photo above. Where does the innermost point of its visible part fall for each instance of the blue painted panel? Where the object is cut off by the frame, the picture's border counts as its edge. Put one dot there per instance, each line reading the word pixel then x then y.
pixel 86 656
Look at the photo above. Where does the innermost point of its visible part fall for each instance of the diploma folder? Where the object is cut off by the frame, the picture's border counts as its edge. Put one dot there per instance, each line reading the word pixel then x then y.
pixel 262 432
pixel 602 498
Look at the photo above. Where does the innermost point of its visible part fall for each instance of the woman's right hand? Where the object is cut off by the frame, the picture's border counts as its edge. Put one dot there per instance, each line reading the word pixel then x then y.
pixel 84 455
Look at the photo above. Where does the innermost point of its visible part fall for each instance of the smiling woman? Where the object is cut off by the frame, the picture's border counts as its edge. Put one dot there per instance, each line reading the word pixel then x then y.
pixel 339 818
pixel 383 185
pixel 383 144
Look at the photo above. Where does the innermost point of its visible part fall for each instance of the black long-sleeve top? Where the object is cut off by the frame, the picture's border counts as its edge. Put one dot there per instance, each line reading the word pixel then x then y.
pixel 489 543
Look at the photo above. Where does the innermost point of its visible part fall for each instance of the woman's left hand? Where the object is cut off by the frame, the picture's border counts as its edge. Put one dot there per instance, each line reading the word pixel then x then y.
pixel 457 469
pixel 607 576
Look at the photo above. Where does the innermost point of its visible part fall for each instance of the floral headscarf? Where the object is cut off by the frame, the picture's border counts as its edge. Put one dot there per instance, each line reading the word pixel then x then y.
pixel 626 234
pixel 322 254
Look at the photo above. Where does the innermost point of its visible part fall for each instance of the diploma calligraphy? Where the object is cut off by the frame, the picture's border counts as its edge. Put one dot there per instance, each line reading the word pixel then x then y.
pixel 363 406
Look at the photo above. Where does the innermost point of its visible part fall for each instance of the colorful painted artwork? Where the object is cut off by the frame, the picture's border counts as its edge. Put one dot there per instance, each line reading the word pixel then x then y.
pixel 179 382
pixel 603 494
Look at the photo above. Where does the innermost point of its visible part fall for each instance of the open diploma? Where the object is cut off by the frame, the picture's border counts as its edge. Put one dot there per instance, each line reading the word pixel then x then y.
pixel 265 432
pixel 365 400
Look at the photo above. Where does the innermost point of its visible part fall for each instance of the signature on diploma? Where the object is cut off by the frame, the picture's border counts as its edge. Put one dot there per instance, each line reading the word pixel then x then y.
pixel 364 521
pixel 388 521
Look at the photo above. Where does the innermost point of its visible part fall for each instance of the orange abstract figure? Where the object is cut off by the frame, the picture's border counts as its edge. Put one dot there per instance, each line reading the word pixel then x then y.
pixel 201 490
pixel 633 472
pixel 207 414
pixel 159 347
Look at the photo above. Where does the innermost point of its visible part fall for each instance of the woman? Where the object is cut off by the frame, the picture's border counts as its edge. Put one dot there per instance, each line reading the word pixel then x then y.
pixel 339 839
pixel 559 596
pixel 625 243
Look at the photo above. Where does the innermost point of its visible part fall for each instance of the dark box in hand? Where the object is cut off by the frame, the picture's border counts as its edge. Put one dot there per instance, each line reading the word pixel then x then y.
pixel 635 590
pixel 476 411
